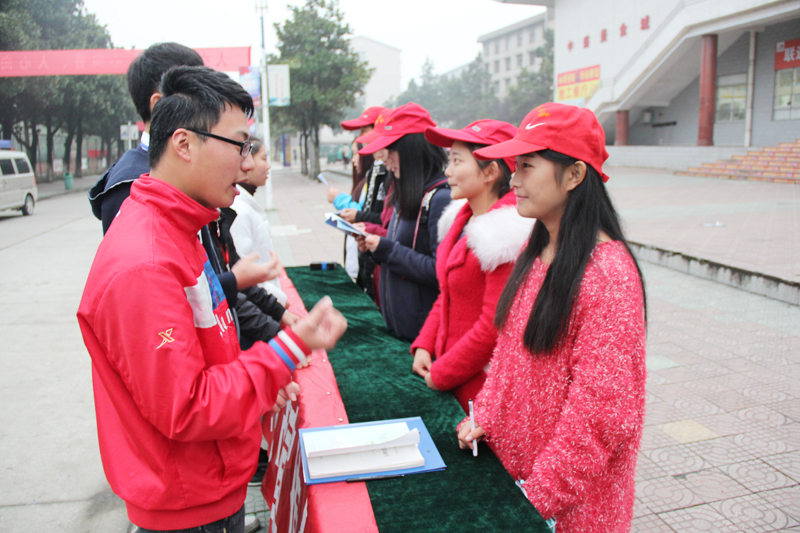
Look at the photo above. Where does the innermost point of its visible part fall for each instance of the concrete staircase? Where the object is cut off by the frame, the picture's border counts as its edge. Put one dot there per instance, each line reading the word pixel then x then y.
pixel 777 165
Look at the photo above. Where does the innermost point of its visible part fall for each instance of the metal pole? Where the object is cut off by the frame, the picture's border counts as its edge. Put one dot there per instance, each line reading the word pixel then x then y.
pixel 261 6
pixel 751 73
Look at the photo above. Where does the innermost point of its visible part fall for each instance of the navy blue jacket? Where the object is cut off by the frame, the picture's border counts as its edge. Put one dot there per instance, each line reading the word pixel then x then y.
pixel 107 195
pixel 408 284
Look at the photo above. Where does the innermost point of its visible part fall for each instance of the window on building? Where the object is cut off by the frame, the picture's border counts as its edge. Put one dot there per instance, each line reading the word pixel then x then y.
pixel 497 47
pixel 731 97
pixel 508 83
pixel 519 40
pixel 496 87
pixel 508 43
pixel 532 35
pixel 496 66
pixel 519 60
pixel 531 58
pixel 787 94
pixel 508 63
pixel 486 49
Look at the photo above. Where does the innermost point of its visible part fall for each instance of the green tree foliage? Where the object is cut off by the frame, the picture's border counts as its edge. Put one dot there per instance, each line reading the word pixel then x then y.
pixel 456 101
pixel 326 76
pixel 77 105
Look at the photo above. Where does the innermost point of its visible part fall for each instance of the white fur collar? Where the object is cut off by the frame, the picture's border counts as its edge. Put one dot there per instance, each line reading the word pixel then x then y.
pixel 496 237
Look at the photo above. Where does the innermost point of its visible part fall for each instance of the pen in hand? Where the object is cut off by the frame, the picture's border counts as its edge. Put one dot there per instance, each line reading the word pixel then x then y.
pixel 472 428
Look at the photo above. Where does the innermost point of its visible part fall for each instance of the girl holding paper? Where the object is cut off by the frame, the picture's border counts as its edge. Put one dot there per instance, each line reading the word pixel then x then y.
pixel 563 402
pixel 407 255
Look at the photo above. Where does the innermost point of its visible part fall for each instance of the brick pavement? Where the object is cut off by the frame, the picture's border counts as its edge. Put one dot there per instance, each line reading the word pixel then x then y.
pixel 721 448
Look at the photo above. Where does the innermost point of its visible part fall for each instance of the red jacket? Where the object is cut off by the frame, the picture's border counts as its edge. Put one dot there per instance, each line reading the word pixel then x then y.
pixel 569 423
pixel 472 271
pixel 178 405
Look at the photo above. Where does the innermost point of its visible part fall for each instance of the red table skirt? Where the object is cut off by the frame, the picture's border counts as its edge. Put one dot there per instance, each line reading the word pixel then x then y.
pixel 294 506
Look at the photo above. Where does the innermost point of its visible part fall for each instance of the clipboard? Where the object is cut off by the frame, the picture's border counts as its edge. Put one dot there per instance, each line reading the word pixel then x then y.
pixel 433 460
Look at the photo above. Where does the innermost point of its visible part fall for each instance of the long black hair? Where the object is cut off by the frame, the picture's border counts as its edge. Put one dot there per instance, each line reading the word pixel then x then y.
pixel 588 211
pixel 419 162
pixel 502 185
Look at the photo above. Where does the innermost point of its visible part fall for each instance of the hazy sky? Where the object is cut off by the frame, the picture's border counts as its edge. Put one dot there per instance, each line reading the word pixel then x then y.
pixel 444 30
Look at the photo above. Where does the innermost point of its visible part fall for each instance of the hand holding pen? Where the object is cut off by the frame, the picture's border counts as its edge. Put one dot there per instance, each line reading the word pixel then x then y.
pixel 470 434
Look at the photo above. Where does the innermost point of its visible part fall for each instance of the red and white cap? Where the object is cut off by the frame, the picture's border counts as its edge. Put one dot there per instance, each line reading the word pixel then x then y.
pixel 570 130
pixel 380 123
pixel 487 132
pixel 406 119
pixel 367 118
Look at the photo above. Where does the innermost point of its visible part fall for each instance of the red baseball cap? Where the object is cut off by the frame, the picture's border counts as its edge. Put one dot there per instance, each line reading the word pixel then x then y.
pixel 368 117
pixel 406 119
pixel 486 132
pixel 570 130
pixel 380 122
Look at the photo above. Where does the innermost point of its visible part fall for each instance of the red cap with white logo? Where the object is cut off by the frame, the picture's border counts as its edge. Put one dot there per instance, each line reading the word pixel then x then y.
pixel 406 119
pixel 570 130
pixel 367 118
pixel 380 123
pixel 486 132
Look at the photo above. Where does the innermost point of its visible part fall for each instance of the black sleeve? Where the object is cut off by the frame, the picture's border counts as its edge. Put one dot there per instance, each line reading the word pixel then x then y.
pixel 265 301
pixel 228 282
pixel 112 200
pixel 254 324
pixel 369 216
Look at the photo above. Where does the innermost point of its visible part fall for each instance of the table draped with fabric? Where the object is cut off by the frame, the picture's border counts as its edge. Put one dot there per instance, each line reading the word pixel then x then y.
pixel 373 375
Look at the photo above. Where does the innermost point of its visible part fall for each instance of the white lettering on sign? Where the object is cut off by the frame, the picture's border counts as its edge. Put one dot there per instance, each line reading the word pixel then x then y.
pixel 287 441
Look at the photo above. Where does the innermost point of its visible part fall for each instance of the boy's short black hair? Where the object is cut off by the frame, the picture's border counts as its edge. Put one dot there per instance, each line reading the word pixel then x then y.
pixel 194 97
pixel 144 74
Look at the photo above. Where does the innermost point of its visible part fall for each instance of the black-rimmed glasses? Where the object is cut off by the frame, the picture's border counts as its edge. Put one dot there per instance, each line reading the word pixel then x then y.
pixel 244 146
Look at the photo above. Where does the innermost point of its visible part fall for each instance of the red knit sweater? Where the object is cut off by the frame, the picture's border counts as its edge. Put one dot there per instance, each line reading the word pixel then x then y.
pixel 569 423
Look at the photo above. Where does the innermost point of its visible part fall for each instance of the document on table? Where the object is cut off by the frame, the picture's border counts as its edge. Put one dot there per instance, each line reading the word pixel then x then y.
pixel 340 452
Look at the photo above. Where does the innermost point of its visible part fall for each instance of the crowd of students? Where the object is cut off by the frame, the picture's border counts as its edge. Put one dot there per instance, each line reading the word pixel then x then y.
pixel 503 262
pixel 494 250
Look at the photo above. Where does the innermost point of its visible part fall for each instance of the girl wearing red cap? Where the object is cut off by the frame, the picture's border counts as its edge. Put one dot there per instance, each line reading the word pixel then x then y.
pixel 407 255
pixel 563 402
pixel 480 236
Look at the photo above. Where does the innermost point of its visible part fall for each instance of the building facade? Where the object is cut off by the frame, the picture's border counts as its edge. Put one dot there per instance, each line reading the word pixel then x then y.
pixel 682 72
pixel 509 50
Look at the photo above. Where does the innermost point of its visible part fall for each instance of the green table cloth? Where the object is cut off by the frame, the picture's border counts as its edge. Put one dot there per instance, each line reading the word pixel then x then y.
pixel 373 372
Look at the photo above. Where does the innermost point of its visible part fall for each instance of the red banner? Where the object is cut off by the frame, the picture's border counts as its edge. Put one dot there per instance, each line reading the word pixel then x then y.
pixel 294 506
pixel 787 54
pixel 104 61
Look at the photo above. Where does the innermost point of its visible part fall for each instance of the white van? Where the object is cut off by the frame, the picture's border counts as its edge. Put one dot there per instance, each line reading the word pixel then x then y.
pixel 17 182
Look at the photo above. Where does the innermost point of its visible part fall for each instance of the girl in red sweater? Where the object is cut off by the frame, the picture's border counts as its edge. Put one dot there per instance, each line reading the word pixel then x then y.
pixel 480 235
pixel 563 402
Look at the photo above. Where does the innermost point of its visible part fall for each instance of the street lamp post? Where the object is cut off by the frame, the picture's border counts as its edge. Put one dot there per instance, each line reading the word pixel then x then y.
pixel 261 8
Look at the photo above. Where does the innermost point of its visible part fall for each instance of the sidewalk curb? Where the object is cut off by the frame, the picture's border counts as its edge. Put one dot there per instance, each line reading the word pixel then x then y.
pixel 755 282
pixel 47 195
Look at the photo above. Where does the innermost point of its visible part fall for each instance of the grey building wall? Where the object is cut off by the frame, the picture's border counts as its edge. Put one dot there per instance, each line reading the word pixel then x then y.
pixel 683 110
pixel 768 132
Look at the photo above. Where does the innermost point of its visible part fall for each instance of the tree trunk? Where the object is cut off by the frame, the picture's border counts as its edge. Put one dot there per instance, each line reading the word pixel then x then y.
pixel 79 149
pixel 315 167
pixel 304 153
pixel 68 145
pixel 51 133
pixel 29 141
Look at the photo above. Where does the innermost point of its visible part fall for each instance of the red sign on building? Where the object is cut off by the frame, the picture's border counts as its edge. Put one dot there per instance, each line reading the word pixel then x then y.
pixel 787 54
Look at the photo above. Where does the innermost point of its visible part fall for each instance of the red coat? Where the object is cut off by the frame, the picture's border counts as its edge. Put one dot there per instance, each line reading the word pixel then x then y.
pixel 569 423
pixel 178 404
pixel 472 271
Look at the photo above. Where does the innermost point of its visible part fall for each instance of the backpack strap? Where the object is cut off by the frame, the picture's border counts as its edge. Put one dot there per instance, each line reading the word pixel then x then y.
pixel 425 207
